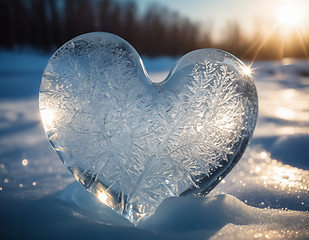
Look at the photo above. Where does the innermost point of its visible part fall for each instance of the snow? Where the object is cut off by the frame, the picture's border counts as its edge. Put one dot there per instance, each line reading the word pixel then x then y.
pixel 264 197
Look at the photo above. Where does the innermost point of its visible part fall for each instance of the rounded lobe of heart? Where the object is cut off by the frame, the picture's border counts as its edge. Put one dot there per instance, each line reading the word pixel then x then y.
pixel 133 142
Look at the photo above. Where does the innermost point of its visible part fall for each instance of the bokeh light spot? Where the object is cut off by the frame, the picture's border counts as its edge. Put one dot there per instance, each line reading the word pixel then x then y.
pixel 24 162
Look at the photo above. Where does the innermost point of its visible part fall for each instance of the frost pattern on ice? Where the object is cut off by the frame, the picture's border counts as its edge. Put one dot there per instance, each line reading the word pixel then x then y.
pixel 134 143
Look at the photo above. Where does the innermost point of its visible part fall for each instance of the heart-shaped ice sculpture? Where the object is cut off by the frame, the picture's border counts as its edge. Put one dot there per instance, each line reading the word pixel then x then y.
pixel 133 142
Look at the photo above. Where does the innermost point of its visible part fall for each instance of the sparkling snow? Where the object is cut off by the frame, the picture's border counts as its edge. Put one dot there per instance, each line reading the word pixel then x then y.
pixel 264 197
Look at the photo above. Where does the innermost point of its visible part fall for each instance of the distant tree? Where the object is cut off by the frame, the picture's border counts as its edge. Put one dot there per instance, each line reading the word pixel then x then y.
pixel 47 24
pixel 204 39
pixel 7 36
pixel 266 46
pixel 232 38
pixel 155 32
pixel 130 25
pixel 55 25
pixel 70 18
pixel 158 32
pixel 39 24
pixel 115 20
pixel 174 35
pixel 84 18
pixel 19 18
pixel 105 16
pixel 186 35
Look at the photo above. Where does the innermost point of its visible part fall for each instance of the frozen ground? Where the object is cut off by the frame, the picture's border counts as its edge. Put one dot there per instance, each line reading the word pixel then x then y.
pixel 264 197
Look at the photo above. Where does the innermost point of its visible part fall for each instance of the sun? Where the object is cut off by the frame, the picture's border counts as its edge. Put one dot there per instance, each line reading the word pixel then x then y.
pixel 291 14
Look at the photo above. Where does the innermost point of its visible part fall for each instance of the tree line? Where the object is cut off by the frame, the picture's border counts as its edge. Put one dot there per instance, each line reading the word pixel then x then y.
pixel 47 24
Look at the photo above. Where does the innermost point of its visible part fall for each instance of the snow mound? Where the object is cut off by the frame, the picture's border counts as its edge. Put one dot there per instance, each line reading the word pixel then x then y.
pixel 264 197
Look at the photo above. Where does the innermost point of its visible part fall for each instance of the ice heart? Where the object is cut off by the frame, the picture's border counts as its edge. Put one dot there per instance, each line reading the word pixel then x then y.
pixel 133 142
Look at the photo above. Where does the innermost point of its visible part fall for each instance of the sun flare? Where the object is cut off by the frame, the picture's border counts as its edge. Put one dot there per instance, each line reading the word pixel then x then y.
pixel 47 117
pixel 247 70
pixel 291 14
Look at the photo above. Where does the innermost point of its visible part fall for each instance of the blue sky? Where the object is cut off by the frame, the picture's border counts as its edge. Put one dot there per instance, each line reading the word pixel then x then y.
pixel 214 12
pixel 250 14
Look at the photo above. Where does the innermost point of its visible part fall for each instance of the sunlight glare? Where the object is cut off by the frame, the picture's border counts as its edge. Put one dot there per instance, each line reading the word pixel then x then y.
pixel 290 14
pixel 285 176
pixel 105 198
pixel 47 117
pixel 288 94
pixel 102 197
pixel 247 70
pixel 285 113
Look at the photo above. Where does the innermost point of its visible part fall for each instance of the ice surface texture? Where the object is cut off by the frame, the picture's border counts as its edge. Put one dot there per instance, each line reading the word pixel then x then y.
pixel 133 142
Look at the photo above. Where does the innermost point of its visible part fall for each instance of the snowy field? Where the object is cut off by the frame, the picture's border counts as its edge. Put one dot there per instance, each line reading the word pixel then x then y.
pixel 264 197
